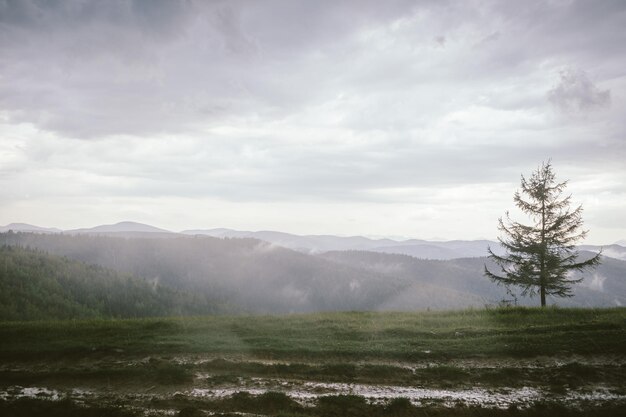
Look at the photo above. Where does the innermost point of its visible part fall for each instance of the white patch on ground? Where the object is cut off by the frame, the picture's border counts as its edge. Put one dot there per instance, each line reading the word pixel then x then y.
pixel 472 363
pixel 305 392
pixel 16 392
pixel 30 392
pixel 160 412
pixel 598 394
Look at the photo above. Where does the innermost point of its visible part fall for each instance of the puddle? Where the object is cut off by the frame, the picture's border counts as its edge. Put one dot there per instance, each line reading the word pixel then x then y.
pixel 17 392
pixel 376 394
pixel 469 363
pixel 30 392
pixel 307 391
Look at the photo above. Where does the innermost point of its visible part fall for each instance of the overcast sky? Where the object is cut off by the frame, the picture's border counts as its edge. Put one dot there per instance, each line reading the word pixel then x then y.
pixel 389 118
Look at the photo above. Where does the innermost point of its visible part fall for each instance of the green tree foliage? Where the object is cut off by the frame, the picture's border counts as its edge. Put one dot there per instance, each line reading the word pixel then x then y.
pixel 238 275
pixel 35 285
pixel 540 256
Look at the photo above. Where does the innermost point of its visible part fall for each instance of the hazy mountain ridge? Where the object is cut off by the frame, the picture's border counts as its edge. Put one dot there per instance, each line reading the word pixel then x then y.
pixel 307 243
pixel 256 276
pixel 612 251
pixel 24 227
pixel 253 275
pixel 604 286
pixel 313 244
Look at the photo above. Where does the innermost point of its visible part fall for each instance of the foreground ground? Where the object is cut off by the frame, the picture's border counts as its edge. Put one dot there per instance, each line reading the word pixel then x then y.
pixel 497 362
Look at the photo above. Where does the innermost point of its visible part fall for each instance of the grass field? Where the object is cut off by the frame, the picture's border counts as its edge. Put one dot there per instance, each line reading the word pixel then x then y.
pixel 511 361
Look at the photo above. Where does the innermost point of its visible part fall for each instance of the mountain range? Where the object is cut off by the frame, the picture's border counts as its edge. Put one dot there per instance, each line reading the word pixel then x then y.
pixel 312 244
pixel 254 276
pixel 24 227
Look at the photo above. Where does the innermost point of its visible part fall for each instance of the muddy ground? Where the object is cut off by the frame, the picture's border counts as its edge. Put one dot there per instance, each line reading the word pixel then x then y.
pixel 168 385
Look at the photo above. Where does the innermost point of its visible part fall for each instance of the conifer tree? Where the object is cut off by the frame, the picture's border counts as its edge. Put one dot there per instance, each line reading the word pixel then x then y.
pixel 540 257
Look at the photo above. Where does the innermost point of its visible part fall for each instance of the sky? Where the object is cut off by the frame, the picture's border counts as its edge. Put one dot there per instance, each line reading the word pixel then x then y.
pixel 407 119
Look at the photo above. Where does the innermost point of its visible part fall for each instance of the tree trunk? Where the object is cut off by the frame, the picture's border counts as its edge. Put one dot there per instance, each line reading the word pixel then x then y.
pixel 542 271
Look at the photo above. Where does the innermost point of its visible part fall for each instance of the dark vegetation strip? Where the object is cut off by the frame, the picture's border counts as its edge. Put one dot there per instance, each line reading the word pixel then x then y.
pixel 512 332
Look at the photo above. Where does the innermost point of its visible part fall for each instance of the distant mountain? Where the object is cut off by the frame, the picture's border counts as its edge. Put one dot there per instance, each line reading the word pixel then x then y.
pixel 249 275
pixel 23 227
pixel 325 243
pixel 612 251
pixel 433 282
pixel 306 243
pixel 444 250
pixel 128 228
pixel 621 242
pixel 422 251
pixel 315 244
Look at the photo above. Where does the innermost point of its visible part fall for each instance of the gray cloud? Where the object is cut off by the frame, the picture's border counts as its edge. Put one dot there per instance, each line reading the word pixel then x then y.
pixel 143 67
pixel 352 101
pixel 576 93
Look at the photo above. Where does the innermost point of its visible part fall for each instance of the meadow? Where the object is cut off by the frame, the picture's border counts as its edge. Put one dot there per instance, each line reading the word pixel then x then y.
pixel 501 361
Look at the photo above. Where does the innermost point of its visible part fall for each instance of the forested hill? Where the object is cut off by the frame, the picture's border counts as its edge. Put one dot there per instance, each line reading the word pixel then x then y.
pixel 252 276
pixel 35 285
pixel 461 283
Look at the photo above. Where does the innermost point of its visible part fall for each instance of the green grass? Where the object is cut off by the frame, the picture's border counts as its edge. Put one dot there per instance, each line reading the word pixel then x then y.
pixel 454 349
pixel 512 332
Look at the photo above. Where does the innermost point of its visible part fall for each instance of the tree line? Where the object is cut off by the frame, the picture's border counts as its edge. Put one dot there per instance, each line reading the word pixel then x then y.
pixel 35 285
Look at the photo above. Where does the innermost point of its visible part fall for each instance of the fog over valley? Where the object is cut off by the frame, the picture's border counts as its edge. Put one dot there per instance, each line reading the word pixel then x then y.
pixel 273 272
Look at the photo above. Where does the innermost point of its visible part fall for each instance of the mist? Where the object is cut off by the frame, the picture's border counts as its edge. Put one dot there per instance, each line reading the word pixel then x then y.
pixel 248 275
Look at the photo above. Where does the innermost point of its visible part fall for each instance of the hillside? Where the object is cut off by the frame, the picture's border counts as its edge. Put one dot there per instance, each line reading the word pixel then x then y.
pixel 249 275
pixel 432 283
pixel 36 286
pixel 616 251
pixel 252 275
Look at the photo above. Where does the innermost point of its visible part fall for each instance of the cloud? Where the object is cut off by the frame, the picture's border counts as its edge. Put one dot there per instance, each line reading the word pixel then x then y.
pixel 142 67
pixel 352 102
pixel 576 93
pixel 150 67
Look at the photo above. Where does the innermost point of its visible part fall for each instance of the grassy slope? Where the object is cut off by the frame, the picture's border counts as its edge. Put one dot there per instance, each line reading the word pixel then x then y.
pixel 381 336
pixel 337 347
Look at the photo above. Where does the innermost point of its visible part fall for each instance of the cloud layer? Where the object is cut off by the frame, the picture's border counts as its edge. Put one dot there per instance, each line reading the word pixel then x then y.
pixel 433 107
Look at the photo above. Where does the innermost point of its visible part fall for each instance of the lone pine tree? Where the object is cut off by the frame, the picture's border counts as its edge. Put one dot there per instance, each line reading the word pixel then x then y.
pixel 539 257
